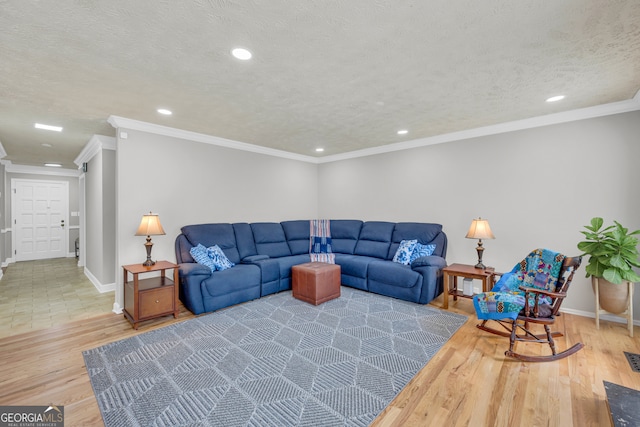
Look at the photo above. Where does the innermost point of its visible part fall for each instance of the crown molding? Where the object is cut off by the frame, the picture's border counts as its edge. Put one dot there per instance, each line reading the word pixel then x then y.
pixel 38 170
pixel 534 122
pixel 626 106
pixel 95 144
pixel 124 123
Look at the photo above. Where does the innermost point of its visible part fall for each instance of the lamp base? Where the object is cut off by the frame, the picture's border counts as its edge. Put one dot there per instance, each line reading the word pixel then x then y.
pixel 148 245
pixel 480 250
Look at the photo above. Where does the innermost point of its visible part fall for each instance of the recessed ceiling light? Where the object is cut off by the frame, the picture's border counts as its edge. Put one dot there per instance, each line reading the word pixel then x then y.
pixel 47 145
pixel 241 53
pixel 319 150
pixel 403 132
pixel 53 165
pixel 48 127
pixel 555 98
pixel 164 111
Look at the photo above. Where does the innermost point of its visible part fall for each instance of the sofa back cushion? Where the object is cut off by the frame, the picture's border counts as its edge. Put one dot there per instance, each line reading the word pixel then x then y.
pixel 213 234
pixel 375 239
pixel 297 234
pixel 344 235
pixel 425 233
pixel 270 239
pixel 244 239
pixel 441 245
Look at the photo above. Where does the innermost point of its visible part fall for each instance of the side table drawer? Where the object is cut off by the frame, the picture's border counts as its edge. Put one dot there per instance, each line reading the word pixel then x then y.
pixel 156 301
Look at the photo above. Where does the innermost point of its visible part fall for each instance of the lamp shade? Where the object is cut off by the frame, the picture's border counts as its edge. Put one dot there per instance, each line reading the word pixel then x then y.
pixel 150 226
pixel 480 229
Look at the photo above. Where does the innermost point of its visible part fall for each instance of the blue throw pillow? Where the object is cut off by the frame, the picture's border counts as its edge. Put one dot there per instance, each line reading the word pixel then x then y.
pixel 199 254
pixel 218 258
pixel 421 250
pixel 403 254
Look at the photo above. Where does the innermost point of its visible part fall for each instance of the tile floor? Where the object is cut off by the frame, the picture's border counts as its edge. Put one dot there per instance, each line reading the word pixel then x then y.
pixel 40 294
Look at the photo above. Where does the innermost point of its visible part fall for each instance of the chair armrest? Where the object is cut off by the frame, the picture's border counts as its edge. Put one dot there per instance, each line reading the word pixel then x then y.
pixel 429 261
pixel 193 269
pixel 539 309
pixel 496 276
pixel 527 289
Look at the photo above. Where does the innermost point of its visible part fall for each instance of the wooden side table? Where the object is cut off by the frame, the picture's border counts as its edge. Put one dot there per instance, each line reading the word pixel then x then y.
pixel 469 272
pixel 153 297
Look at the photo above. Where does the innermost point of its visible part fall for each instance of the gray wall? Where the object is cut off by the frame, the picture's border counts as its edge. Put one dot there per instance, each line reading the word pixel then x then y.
pixel 536 187
pixel 100 217
pixel 188 182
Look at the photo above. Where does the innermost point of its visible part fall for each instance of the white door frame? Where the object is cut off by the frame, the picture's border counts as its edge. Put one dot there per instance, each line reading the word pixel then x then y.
pixel 65 231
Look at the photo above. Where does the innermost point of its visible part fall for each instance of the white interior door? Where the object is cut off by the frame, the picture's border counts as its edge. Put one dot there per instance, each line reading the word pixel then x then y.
pixel 40 217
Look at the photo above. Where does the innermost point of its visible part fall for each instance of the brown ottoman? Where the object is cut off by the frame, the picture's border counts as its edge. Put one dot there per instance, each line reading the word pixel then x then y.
pixel 316 282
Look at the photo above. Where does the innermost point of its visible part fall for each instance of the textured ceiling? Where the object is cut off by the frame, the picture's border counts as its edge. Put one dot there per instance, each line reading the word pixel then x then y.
pixel 341 74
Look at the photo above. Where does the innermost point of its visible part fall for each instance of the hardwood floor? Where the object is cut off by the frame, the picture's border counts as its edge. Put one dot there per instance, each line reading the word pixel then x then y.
pixel 469 382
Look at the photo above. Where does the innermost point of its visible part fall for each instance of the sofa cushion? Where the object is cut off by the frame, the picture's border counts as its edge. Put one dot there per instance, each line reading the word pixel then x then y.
pixel 285 263
pixel 270 239
pixel 354 265
pixel 375 239
pixel 297 234
pixel 200 255
pixel 424 233
pixel 214 234
pixel 218 257
pixel 420 251
pixel 238 278
pixel 344 235
pixel 392 273
pixel 405 251
pixel 395 280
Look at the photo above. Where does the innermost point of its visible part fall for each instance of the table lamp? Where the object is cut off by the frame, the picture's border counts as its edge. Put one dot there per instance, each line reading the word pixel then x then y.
pixel 149 226
pixel 480 230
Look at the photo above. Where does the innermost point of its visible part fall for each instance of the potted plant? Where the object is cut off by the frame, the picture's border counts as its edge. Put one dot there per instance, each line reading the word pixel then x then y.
pixel 613 253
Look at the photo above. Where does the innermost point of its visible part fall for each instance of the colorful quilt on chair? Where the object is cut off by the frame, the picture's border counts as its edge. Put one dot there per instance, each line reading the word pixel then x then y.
pixel 540 269
pixel 320 241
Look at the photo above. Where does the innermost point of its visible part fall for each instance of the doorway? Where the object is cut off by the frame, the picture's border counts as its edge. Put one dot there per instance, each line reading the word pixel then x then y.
pixel 39 211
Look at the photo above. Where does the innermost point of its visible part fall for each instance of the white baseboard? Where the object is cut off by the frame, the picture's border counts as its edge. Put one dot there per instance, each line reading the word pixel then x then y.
pixel 608 317
pixel 116 308
pixel 110 287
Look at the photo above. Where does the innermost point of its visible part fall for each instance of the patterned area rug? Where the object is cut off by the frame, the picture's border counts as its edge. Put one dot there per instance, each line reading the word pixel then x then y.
pixel 276 361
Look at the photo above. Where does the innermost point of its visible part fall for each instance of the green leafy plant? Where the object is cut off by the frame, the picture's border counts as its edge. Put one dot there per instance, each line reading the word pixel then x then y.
pixel 613 251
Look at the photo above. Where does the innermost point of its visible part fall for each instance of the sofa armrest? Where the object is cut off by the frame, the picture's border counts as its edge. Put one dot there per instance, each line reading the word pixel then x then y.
pixel 253 258
pixel 429 261
pixel 193 269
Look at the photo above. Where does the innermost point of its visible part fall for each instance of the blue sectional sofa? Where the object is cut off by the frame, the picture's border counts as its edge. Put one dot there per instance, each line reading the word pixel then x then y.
pixel 264 252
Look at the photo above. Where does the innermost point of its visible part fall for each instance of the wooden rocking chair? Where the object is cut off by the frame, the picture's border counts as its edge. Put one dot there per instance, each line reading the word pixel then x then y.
pixel 542 314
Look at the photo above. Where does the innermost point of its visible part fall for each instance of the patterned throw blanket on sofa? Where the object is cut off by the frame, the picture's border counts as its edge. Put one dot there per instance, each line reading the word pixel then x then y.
pixel 540 269
pixel 320 241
